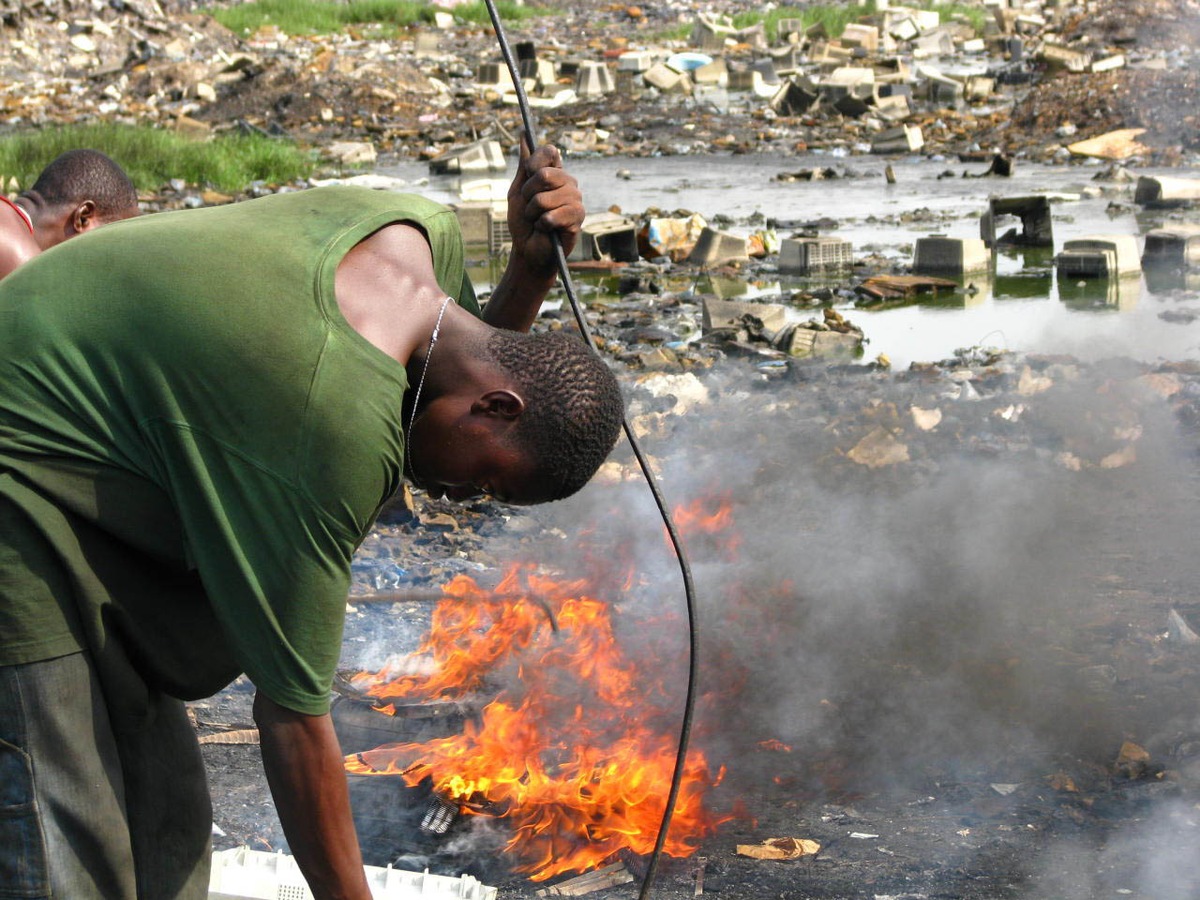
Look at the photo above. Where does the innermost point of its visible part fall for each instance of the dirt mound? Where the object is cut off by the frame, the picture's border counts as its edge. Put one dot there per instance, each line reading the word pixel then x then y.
pixel 1068 108
pixel 157 61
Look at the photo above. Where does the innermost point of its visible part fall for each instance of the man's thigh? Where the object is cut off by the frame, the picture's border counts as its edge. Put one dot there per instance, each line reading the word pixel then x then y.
pixel 166 794
pixel 68 836
pixel 119 810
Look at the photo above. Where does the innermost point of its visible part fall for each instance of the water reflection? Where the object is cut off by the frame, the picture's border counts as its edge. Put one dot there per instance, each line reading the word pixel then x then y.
pixel 1032 284
pixel 1024 260
pixel 1165 279
pixel 1021 303
pixel 725 288
pixel 1101 294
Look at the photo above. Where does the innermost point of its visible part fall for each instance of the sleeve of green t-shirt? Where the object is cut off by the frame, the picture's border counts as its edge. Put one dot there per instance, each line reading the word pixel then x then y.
pixel 467 299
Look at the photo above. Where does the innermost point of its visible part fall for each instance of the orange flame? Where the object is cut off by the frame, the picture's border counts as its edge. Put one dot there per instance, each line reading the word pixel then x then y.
pixel 695 519
pixel 775 746
pixel 577 753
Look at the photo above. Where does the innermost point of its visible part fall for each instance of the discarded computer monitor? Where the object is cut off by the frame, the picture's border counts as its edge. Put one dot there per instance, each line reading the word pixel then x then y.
pixel 717 247
pixel 483 224
pixel 481 156
pixel 494 74
pixel 1175 247
pixel 1098 256
pixel 607 236
pixel 1037 227
pixel 941 255
pixel 637 60
pixel 594 79
pixel 901 139
pixel 538 71
pixel 787 60
pixel 853 81
pixel 1166 191
pixel 795 97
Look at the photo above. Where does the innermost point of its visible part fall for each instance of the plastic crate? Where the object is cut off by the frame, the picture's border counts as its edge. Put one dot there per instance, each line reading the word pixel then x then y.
pixel 245 874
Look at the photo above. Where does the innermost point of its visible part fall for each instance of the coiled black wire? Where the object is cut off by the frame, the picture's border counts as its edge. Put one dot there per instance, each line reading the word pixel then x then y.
pixel 689 703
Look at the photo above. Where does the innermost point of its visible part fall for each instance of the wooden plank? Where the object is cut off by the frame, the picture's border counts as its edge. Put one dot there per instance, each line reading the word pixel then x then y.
pixel 241 736
pixel 598 879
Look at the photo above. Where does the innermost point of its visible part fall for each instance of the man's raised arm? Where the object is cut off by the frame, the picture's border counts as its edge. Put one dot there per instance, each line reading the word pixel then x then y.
pixel 542 200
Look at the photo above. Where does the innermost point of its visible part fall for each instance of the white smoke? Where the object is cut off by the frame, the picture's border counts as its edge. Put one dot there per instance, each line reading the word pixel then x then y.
pixel 948 619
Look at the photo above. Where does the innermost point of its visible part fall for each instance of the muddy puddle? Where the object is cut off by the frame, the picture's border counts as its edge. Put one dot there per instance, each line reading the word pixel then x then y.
pixel 1021 305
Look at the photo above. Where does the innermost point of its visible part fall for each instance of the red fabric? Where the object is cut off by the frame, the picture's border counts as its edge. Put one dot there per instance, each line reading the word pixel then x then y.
pixel 24 215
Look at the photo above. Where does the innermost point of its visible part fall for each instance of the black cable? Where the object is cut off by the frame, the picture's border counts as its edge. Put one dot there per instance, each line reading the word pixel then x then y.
pixel 689 703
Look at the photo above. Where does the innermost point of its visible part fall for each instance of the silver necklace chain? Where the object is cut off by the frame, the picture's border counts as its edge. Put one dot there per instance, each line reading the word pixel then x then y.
pixel 412 418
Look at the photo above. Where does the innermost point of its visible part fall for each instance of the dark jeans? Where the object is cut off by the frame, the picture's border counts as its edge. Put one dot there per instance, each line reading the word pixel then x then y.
pixel 93 807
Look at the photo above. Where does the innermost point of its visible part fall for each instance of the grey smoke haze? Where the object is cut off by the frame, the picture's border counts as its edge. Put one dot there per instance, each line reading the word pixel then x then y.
pixel 946 619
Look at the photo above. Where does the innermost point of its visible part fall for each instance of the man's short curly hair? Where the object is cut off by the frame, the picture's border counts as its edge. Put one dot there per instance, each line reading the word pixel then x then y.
pixel 573 406
pixel 79 175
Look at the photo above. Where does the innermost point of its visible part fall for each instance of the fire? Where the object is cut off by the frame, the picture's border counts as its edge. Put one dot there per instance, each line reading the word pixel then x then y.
pixel 775 746
pixel 577 750
pixel 696 519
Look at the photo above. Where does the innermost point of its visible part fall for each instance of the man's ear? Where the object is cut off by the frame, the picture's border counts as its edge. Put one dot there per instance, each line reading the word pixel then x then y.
pixel 83 217
pixel 500 403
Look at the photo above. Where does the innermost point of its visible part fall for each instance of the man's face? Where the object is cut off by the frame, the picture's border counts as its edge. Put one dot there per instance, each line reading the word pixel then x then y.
pixel 460 459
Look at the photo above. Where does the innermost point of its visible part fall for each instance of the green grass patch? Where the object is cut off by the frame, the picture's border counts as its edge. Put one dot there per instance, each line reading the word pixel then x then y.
pixel 834 16
pixel 976 15
pixel 325 17
pixel 477 13
pixel 153 156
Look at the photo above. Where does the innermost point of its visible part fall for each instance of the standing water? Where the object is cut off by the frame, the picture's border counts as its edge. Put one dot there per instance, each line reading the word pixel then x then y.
pixel 1021 305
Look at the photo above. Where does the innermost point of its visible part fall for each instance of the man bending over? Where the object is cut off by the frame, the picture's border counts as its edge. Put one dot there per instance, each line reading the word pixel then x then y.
pixel 194 439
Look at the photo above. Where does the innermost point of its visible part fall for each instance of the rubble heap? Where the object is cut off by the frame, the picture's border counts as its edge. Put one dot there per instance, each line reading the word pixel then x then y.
pixel 613 80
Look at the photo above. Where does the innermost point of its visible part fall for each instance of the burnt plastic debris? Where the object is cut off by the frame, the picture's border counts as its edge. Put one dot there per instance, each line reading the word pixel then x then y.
pixel 439 815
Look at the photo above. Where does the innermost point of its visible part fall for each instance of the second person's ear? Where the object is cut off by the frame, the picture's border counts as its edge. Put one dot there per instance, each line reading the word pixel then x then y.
pixel 83 217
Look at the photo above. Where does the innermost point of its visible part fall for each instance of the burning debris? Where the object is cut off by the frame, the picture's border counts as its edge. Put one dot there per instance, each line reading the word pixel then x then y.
pixel 575 751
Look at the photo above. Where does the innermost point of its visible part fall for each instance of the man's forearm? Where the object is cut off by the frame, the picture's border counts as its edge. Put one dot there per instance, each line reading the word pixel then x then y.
pixel 304 768
pixel 518 296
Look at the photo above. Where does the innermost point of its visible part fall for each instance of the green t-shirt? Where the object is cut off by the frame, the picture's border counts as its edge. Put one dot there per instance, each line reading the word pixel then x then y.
pixel 193 442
